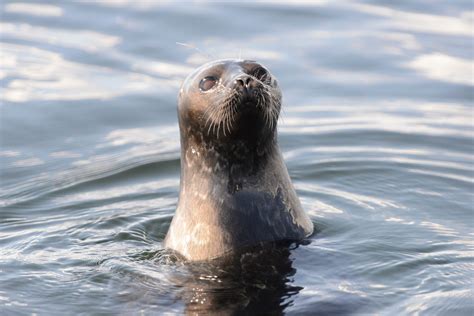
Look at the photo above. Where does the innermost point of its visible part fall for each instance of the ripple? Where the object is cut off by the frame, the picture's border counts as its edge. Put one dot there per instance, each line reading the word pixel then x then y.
pixel 157 151
pixel 421 22
pixel 367 202
pixel 451 177
pixel 34 9
pixel 38 74
pixel 448 68
pixel 378 143
pixel 438 302
pixel 86 40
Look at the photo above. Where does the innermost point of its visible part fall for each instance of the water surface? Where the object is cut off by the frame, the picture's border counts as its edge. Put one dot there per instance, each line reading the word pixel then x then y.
pixel 376 131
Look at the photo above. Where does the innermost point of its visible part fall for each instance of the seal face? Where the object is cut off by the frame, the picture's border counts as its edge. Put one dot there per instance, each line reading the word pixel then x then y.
pixel 235 190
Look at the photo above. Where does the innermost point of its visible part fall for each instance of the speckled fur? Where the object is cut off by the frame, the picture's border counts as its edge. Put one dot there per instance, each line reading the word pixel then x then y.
pixel 235 190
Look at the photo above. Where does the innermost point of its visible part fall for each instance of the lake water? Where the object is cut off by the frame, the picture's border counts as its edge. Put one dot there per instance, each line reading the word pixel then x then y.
pixel 376 131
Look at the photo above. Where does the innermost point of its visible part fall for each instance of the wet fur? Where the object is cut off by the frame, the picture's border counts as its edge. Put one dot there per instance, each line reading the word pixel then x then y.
pixel 235 190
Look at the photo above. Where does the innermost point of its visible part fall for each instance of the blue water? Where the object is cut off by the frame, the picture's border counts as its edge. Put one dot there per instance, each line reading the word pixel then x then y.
pixel 376 130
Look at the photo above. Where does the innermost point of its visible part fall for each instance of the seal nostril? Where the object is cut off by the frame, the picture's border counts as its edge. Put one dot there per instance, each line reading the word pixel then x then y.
pixel 247 81
pixel 243 81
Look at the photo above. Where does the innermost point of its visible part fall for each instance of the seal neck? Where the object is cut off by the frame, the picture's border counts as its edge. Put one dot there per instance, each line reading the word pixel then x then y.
pixel 234 161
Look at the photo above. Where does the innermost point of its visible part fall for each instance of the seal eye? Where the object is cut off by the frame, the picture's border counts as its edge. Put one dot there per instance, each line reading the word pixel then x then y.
pixel 207 83
pixel 261 74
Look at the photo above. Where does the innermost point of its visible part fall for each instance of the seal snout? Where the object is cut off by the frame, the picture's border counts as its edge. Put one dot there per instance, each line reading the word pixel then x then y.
pixel 243 81
pixel 247 86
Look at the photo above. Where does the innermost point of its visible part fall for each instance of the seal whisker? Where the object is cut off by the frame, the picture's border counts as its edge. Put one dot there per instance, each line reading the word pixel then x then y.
pixel 233 111
pixel 208 55
pixel 264 100
pixel 227 109
pixel 209 112
pixel 226 122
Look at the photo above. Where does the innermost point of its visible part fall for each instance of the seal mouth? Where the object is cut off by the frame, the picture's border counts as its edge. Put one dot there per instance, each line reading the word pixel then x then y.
pixel 247 102
pixel 249 107
pixel 249 97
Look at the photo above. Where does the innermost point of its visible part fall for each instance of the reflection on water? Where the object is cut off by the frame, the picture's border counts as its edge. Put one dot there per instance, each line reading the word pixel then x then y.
pixel 376 130
pixel 255 282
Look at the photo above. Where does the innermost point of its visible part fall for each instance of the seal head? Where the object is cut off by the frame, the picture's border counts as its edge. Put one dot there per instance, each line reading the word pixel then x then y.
pixel 235 190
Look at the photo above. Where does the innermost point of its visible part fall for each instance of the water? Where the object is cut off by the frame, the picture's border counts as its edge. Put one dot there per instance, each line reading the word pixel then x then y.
pixel 376 130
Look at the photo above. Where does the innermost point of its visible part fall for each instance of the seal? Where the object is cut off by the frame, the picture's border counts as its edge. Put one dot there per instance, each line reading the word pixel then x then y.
pixel 235 190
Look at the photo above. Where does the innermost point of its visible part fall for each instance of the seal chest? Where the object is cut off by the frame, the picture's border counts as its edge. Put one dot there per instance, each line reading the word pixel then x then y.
pixel 235 190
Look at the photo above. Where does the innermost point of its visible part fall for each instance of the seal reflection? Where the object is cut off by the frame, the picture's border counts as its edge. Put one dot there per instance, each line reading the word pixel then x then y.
pixel 256 281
